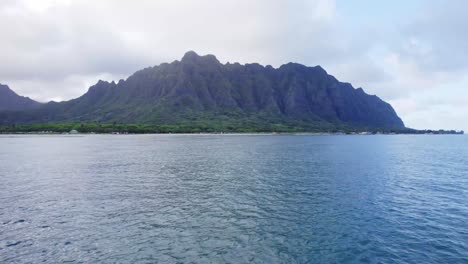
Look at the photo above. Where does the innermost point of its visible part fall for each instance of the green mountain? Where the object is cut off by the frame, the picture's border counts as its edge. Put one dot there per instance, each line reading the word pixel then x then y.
pixel 199 91
pixel 10 101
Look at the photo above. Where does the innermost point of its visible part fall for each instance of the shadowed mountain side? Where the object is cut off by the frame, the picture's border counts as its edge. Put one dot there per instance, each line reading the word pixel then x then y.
pixel 200 90
pixel 10 101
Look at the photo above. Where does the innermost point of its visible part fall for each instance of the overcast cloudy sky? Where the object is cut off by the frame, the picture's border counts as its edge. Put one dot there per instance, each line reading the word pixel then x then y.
pixel 413 54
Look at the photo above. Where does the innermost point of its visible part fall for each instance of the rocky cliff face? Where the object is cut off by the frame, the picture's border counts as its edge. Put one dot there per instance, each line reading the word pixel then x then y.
pixel 200 88
pixel 10 101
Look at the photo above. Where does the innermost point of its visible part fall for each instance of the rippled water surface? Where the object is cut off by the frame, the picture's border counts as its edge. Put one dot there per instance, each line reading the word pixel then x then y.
pixel 234 199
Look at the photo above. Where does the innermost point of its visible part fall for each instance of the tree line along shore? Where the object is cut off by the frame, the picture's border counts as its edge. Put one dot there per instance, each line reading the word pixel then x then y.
pixel 109 128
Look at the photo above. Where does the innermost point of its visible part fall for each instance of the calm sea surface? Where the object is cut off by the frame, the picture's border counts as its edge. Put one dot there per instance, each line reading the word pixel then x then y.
pixel 234 199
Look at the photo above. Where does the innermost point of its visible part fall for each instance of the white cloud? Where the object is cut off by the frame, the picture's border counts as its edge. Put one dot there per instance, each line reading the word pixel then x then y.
pixel 71 86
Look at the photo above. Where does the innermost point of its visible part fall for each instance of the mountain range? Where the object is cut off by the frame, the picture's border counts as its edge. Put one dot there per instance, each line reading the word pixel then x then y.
pixel 201 91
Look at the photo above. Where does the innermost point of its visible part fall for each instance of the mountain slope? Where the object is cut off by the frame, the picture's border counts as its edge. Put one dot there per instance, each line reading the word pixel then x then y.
pixel 201 90
pixel 10 101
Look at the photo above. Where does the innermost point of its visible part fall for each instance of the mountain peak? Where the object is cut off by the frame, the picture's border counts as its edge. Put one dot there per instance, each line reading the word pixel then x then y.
pixel 192 56
pixel 11 101
pixel 200 90
pixel 4 89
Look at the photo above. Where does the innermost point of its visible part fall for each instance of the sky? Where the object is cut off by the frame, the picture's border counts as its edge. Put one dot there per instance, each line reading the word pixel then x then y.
pixel 412 54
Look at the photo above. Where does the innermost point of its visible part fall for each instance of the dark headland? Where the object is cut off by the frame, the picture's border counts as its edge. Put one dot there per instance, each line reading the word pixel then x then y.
pixel 200 94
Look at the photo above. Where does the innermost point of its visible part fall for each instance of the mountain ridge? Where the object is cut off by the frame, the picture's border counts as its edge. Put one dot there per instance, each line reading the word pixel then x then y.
pixel 200 89
pixel 11 101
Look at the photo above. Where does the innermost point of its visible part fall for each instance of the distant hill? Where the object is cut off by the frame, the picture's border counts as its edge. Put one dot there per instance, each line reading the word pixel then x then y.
pixel 199 91
pixel 10 101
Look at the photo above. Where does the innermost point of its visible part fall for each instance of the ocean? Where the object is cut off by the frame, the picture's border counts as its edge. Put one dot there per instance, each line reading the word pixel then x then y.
pixel 234 198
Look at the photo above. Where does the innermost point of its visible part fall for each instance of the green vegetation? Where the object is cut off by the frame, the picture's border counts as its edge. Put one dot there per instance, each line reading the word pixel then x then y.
pixel 200 127
pixel 144 128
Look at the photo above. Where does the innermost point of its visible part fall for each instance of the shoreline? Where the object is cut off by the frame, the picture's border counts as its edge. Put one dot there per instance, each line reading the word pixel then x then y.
pixel 209 129
pixel 223 134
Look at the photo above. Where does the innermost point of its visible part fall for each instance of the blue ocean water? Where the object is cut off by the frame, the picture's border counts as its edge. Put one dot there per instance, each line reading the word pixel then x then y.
pixel 234 199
